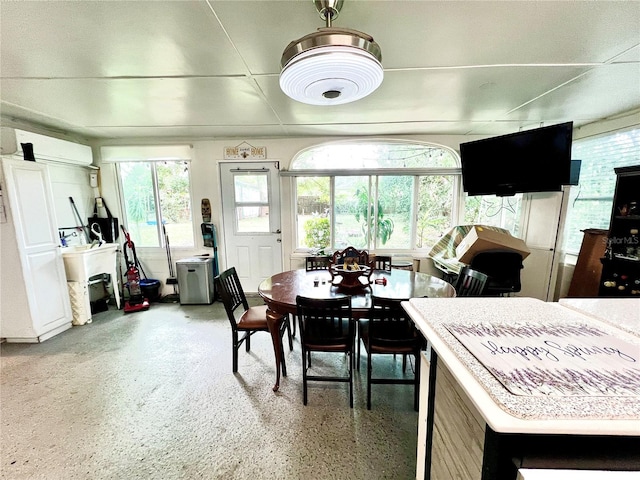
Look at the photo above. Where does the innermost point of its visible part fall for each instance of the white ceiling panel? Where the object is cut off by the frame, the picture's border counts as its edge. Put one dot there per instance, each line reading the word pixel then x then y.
pixel 209 68
pixel 589 97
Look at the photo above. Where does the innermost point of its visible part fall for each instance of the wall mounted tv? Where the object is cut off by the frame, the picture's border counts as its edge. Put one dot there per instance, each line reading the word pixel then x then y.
pixel 537 160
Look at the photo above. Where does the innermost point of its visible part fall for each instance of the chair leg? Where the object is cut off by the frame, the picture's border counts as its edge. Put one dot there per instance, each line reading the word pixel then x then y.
pixel 369 369
pixel 289 334
pixel 283 363
pixel 304 376
pixel 247 340
pixel 234 349
pixel 293 325
pixel 358 348
pixel 351 360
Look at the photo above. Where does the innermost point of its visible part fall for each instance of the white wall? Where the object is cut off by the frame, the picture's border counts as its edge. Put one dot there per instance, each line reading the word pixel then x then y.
pixel 205 182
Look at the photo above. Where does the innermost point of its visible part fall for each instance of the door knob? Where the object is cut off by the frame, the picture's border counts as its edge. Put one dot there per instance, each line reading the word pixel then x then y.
pixel 277 231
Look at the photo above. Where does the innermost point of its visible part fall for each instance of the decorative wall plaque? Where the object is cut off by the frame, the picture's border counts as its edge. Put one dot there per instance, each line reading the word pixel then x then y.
pixel 245 151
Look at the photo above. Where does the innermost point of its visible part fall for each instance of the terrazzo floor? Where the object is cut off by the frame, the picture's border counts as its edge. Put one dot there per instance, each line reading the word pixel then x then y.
pixel 151 395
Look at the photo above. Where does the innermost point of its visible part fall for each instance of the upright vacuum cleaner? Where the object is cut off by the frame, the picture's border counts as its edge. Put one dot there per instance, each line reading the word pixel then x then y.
pixel 136 301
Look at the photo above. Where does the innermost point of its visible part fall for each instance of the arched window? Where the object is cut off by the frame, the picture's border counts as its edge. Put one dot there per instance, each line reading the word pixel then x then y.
pixel 381 194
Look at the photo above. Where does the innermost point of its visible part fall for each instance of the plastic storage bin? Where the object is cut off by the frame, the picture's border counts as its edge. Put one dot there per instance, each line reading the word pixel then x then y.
pixel 195 280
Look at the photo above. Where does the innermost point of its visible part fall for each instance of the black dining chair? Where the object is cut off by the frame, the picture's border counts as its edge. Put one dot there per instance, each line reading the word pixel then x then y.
pixel 245 320
pixel 470 283
pixel 388 330
pixel 382 262
pixel 316 263
pixel 326 325
pixel 312 263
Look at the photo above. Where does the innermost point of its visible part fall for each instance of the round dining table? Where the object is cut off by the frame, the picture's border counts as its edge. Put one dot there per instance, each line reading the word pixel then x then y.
pixel 280 291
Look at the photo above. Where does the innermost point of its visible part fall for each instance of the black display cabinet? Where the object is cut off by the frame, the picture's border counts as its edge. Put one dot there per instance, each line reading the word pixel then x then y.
pixel 621 263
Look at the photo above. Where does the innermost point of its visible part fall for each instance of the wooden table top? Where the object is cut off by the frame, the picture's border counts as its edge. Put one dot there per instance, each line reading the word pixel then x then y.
pixel 280 290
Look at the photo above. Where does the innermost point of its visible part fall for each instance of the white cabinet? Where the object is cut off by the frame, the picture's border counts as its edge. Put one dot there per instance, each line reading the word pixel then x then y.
pixel 34 300
pixel 542 217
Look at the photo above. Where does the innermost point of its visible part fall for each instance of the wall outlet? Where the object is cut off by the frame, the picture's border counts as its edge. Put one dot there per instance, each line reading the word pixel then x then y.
pixel 93 179
pixel 99 202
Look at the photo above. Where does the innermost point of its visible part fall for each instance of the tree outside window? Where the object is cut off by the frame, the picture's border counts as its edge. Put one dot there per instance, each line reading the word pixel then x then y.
pixel 382 208
pixel 157 195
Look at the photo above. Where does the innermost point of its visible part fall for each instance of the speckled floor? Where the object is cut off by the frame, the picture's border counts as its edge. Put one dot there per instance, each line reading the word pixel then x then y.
pixel 151 395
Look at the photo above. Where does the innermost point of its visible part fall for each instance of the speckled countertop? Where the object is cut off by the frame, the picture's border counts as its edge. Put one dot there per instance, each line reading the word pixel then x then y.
pixel 502 410
pixel 621 312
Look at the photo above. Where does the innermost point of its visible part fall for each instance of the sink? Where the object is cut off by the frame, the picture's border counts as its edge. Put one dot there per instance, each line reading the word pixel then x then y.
pixel 82 262
pixel 76 248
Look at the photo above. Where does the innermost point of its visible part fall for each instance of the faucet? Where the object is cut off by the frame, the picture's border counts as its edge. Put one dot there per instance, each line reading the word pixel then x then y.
pixel 63 237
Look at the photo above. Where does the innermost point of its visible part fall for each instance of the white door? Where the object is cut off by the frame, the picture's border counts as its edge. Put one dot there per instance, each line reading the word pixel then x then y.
pixel 36 232
pixel 251 215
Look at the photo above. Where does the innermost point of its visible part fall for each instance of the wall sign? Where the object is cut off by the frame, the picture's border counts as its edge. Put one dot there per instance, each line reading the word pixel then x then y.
pixel 245 151
pixel 554 359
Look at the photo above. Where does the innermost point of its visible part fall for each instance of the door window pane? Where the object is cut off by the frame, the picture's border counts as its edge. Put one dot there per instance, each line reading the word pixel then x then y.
pixel 251 188
pixel 252 219
pixel 251 193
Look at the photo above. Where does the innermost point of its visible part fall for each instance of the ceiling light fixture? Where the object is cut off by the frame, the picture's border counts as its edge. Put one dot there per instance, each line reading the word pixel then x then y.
pixel 333 65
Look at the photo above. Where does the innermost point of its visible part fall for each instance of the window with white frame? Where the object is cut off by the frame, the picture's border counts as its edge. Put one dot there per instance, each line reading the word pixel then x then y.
pixel 590 202
pixel 157 202
pixel 380 195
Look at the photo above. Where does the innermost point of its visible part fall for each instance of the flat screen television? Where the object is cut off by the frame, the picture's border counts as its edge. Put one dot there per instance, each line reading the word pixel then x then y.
pixel 537 160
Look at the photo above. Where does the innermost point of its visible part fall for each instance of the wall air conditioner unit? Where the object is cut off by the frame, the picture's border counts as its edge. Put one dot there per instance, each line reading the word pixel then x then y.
pixel 48 149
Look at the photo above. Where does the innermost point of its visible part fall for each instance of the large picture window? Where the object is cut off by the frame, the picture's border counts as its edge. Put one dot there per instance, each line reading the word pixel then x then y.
pixel 374 195
pixel 157 200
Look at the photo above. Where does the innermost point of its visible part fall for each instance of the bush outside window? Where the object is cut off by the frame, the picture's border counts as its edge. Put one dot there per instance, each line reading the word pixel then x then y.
pixel 375 195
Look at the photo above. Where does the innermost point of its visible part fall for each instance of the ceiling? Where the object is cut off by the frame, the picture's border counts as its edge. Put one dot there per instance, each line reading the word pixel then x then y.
pixel 192 69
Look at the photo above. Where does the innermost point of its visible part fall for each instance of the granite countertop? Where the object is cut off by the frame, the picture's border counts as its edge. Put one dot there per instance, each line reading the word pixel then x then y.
pixel 621 312
pixel 502 410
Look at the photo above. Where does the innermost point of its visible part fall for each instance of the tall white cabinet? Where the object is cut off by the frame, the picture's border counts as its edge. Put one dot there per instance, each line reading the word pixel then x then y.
pixel 542 218
pixel 34 300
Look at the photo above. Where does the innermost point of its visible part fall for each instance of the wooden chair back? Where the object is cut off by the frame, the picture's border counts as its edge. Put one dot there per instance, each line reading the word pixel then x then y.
pixel 316 263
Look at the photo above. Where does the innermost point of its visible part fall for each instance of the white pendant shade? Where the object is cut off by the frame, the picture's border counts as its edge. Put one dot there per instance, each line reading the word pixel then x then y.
pixel 331 75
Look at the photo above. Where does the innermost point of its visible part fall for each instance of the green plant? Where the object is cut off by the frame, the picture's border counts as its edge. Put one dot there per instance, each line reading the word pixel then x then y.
pixel 366 214
pixel 317 232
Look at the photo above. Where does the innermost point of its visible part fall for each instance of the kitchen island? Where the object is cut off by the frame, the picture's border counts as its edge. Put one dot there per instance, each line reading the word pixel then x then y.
pixel 512 383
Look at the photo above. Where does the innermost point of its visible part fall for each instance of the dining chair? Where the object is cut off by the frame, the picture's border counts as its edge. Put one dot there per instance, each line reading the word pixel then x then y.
pixel 326 325
pixel 389 330
pixel 245 320
pixel 316 263
pixel 312 263
pixel 470 283
pixel 503 269
pixel 382 262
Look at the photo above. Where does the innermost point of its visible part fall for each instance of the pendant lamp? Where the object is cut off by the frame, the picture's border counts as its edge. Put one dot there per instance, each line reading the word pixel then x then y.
pixel 331 66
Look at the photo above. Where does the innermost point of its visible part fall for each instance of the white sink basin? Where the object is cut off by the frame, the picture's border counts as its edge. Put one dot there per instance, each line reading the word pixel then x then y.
pixel 82 262
pixel 78 248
